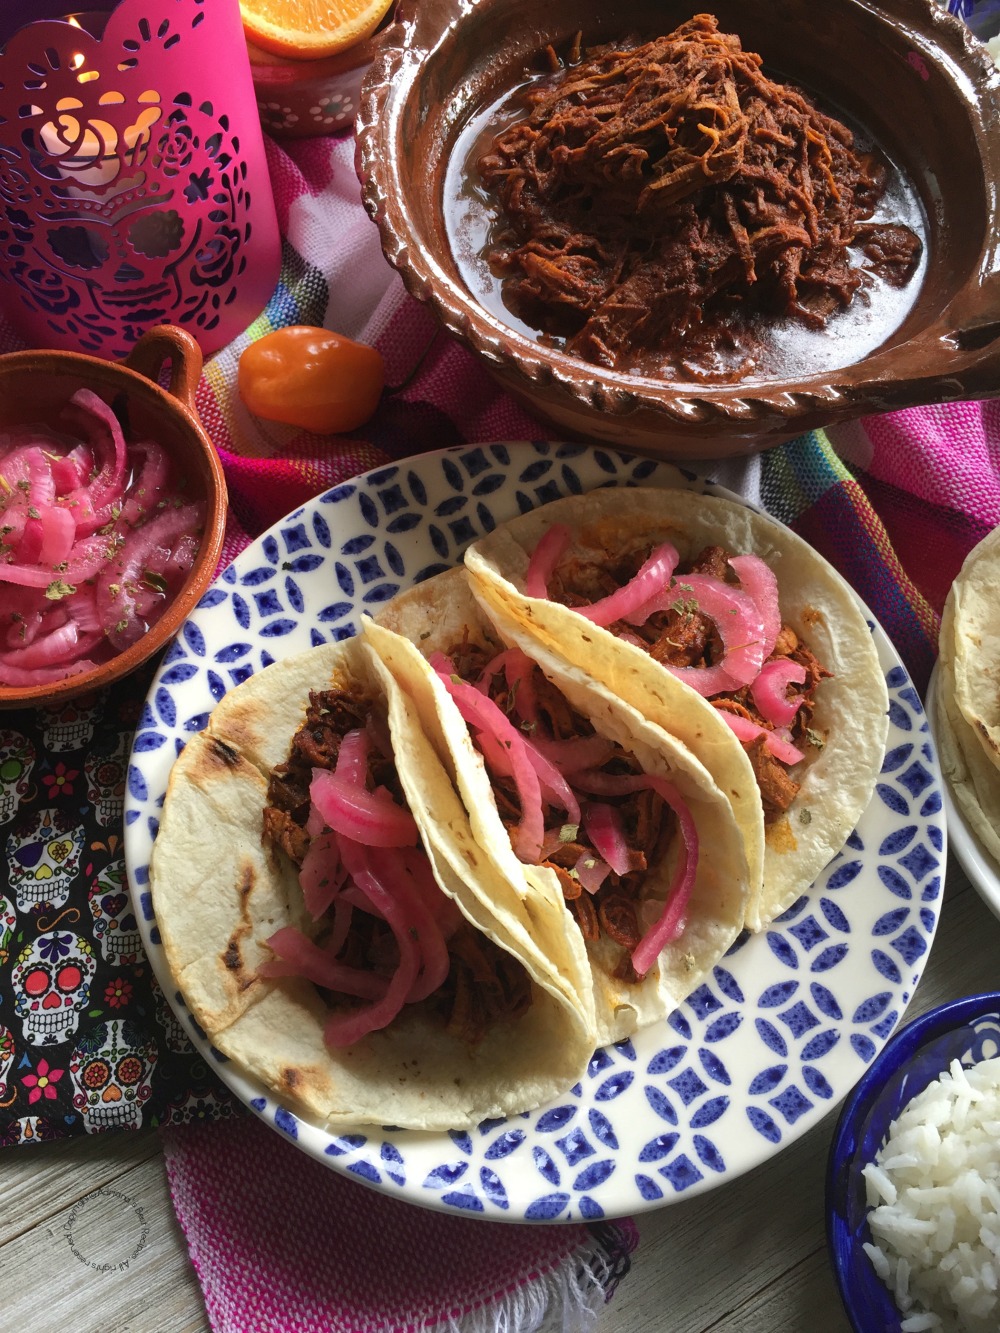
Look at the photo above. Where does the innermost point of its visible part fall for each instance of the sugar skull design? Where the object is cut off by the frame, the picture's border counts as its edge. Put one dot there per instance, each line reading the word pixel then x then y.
pixel 171 1026
pixel 104 768
pixel 192 1107
pixel 17 759
pixel 30 1129
pixel 51 984
pixel 43 856
pixel 70 727
pixel 114 920
pixel 8 920
pixel 7 1051
pixel 112 1070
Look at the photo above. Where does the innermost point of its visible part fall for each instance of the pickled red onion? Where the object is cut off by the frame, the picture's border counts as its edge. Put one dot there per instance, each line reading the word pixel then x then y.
pixel 606 831
pixel 296 955
pixel 758 580
pixel 518 668
pixel 352 757
pixel 672 918
pixel 740 627
pixel 392 871
pixel 481 712
pixel 591 871
pixel 631 600
pixel 746 730
pixel 55 494
pixel 769 690
pixel 321 875
pixel 544 559
pixel 349 809
pixel 674 915
pixel 576 751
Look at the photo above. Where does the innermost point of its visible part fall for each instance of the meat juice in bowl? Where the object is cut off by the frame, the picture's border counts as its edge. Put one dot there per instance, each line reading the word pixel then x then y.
pixel 665 209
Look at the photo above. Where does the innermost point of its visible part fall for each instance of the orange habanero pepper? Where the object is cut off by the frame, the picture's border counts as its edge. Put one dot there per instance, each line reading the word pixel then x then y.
pixel 312 378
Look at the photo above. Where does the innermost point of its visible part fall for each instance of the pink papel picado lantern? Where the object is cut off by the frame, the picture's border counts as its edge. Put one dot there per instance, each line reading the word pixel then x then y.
pixel 133 181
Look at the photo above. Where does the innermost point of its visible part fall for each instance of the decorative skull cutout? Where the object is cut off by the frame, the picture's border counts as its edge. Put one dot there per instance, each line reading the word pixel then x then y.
pixel 114 920
pixel 70 727
pixel 7 1052
pixel 104 767
pixel 43 856
pixel 17 759
pixel 112 1071
pixel 8 920
pixel 170 1024
pixel 51 982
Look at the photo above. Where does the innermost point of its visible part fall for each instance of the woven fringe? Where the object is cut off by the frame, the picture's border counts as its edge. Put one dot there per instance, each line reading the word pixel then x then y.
pixel 569 1300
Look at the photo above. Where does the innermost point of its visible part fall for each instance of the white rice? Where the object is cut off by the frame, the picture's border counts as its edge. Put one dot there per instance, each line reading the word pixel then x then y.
pixel 934 1191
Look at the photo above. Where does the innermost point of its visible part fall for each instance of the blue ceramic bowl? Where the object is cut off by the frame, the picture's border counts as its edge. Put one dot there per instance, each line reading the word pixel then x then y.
pixel 968 1030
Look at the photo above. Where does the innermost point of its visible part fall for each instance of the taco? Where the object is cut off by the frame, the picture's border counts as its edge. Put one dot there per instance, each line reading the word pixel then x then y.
pixel 967 695
pixel 325 911
pixel 729 632
pixel 571 790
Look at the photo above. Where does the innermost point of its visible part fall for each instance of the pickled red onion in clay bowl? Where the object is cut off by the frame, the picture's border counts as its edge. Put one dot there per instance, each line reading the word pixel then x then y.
pixel 112 513
pixel 510 155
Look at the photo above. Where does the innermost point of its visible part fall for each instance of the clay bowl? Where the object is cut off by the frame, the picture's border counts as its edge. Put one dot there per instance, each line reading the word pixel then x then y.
pixel 33 387
pixel 299 99
pixel 904 70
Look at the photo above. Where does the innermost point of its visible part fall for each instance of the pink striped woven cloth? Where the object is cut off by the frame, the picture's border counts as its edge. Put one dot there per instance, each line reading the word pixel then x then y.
pixel 283 1245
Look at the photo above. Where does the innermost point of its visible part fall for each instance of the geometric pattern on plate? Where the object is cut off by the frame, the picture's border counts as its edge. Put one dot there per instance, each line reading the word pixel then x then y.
pixel 790 1019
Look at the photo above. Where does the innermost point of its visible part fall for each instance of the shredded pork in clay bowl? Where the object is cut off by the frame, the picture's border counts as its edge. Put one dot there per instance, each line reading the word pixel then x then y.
pixel 695 233
pixel 112 514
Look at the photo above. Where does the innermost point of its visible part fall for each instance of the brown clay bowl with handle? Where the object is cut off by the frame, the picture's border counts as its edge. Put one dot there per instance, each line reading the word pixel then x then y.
pixel 904 70
pixel 34 386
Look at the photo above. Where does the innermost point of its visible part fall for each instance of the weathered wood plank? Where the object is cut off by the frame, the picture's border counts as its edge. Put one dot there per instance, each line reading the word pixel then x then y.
pixel 112 1258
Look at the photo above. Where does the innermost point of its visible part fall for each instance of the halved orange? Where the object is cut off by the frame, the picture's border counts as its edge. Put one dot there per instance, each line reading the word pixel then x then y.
pixel 308 29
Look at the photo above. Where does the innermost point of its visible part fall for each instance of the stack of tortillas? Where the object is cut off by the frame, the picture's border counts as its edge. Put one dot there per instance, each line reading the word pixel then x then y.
pixel 968 691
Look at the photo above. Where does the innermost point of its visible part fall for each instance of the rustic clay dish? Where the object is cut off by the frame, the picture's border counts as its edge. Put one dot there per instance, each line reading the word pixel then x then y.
pixel 908 72
pixel 33 387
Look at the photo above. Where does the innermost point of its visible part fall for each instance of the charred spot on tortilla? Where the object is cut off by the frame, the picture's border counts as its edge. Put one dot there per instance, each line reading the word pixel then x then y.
pixel 224 752
pixel 232 959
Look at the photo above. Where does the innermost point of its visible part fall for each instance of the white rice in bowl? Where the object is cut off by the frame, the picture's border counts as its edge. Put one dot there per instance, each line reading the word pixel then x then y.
pixel 934 1191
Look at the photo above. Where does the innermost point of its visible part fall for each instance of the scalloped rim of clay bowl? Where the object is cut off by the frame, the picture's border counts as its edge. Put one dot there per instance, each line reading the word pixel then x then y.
pixel 916 79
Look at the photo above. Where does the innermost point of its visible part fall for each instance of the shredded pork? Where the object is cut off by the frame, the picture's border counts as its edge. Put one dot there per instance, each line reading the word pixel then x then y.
pixel 656 196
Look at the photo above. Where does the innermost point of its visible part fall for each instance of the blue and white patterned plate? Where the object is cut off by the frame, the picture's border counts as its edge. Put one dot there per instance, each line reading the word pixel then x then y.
pixel 791 1017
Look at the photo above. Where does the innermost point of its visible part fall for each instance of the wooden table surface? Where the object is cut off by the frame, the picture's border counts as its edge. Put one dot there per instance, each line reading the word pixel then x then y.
pixel 89 1242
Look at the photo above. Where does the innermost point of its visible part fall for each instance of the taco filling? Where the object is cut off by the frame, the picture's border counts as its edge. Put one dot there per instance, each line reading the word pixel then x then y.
pixel 714 623
pixel 383 934
pixel 576 802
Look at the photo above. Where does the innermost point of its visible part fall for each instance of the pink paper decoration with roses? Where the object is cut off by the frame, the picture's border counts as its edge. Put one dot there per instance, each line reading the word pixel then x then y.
pixel 133 181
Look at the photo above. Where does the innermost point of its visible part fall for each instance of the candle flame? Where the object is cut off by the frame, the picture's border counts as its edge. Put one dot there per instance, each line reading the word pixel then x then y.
pixel 78 59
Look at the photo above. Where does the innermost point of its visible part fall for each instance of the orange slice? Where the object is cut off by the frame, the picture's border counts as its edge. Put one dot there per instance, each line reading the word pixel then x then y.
pixel 308 29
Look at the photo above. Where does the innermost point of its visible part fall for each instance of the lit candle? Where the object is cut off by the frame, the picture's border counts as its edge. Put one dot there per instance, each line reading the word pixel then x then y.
pixel 91 154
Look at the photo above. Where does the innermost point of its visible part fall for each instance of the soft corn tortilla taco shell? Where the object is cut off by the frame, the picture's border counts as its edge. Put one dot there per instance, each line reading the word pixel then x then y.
pixel 851 709
pixel 966 764
pixel 717 905
pixel 219 893
pixel 974 646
